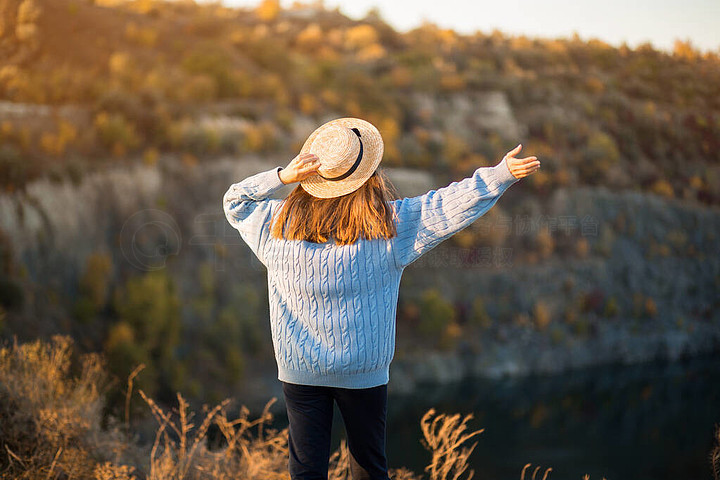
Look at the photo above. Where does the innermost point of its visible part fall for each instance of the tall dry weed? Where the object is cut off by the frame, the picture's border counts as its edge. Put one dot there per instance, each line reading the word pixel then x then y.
pixel 50 419
pixel 535 472
pixel 251 449
pixel 445 437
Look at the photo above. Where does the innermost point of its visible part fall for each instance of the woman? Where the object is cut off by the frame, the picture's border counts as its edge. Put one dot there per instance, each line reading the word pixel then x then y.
pixel 335 250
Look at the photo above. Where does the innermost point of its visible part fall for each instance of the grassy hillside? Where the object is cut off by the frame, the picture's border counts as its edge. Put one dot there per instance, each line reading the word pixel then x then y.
pixel 143 70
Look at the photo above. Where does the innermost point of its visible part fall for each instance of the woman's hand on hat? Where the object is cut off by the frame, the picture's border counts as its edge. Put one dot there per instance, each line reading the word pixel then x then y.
pixel 521 167
pixel 300 168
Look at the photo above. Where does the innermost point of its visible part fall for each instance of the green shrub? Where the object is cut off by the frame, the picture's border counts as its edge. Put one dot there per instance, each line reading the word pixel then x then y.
pixel 436 314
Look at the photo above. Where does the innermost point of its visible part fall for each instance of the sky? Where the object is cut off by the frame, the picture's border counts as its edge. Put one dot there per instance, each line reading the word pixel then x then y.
pixel 659 22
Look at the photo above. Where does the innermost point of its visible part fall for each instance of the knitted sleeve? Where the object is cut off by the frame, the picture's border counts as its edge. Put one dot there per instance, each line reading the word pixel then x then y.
pixel 248 208
pixel 425 221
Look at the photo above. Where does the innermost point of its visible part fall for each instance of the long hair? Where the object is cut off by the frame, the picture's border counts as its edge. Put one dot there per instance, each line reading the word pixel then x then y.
pixel 364 212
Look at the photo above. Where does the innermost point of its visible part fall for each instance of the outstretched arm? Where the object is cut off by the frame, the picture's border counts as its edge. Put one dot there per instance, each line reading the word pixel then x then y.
pixel 427 220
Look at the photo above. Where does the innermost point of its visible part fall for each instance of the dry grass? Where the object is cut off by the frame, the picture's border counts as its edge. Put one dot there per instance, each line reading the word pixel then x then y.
pixel 535 472
pixel 50 422
pixel 50 429
pixel 251 450
pixel 444 437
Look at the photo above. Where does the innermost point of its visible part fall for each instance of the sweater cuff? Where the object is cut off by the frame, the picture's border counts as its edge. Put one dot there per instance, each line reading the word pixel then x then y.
pixel 269 180
pixel 504 176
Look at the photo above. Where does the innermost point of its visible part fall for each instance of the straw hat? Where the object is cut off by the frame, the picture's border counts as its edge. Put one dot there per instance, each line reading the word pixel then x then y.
pixel 349 150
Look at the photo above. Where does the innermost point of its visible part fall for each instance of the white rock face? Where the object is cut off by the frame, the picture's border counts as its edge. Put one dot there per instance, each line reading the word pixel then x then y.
pixel 466 114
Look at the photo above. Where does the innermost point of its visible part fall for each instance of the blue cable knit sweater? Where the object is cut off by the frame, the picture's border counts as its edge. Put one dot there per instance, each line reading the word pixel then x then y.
pixel 332 307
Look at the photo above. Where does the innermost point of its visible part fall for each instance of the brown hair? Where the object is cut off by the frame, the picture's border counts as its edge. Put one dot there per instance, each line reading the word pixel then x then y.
pixel 364 212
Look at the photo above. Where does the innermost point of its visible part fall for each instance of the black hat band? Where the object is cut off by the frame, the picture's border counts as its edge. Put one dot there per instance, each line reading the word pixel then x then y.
pixel 355 165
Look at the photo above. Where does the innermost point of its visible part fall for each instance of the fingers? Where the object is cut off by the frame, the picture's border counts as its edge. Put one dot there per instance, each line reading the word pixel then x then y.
pixel 529 168
pixel 306 159
pixel 530 161
pixel 312 160
pixel 514 151
pixel 308 162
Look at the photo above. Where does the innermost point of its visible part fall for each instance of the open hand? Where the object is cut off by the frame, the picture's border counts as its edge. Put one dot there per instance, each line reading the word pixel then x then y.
pixel 299 168
pixel 521 167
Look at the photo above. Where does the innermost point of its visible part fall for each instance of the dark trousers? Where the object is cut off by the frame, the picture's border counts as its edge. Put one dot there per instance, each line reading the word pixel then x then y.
pixel 310 414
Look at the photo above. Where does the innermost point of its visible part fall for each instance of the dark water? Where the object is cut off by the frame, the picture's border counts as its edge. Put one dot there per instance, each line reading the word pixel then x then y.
pixel 642 422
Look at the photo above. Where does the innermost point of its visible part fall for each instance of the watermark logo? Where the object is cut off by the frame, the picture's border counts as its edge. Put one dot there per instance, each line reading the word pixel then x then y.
pixel 148 237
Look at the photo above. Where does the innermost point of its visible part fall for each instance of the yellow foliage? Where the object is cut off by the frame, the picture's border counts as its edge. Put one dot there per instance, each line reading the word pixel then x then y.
pixel 545 243
pixel 452 82
pixel 663 187
pixel 521 42
pixel 6 128
pixel 595 85
pixel 389 129
pixel 455 148
pixel 372 52
pixel 116 132
pixel 28 12
pixel 448 38
pixel 450 335
pixel 268 10
pixel 603 147
pixel 465 238
pixel 143 6
pixel 330 97
pixel 650 307
pixel 25 137
pixel 143 36
pixel 541 315
pixel 555 46
pixel 50 145
pixel 8 73
pixel 26 31
pixel 360 36
pixel 327 52
pixel 685 49
pixel 310 37
pixel 56 143
pixel 254 139
pixel 238 36
pixel 649 108
pixel 119 62
pixel 308 104
pixel 582 247
pixel 696 182
pixel 120 334
pixel 354 109
pixel 335 37
pixel 200 87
